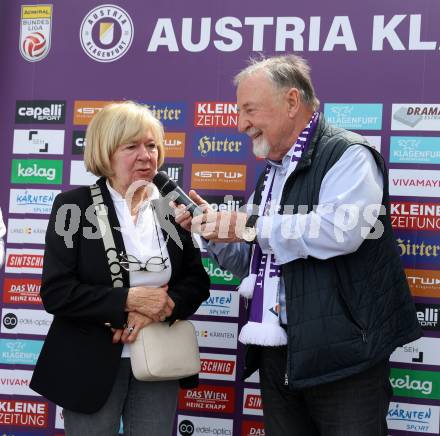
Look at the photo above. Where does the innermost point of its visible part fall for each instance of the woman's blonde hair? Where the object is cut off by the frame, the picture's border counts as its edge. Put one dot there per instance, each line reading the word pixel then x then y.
pixel 116 124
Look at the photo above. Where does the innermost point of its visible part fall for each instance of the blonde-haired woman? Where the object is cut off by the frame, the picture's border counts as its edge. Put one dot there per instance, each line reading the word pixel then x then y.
pixel 84 365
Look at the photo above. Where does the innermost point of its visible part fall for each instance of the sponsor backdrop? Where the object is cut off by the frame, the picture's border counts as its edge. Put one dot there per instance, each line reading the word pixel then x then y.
pixel 375 67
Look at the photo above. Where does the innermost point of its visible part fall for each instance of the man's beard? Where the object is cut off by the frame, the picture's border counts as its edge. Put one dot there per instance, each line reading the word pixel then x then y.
pixel 260 147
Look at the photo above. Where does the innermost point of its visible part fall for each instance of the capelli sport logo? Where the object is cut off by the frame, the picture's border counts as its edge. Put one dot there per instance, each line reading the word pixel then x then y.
pixel 40 111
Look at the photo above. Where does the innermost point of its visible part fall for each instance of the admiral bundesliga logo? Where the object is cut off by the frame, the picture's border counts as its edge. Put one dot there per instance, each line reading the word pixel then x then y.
pixel 35 31
pixel 106 33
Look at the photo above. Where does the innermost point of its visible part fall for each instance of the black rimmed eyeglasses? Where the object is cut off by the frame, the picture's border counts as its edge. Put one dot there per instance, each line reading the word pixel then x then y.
pixel 153 264
pixel 133 264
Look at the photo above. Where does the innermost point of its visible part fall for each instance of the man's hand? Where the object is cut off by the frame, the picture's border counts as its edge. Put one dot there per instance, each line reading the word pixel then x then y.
pixel 151 302
pixel 214 226
pixel 220 226
pixel 182 216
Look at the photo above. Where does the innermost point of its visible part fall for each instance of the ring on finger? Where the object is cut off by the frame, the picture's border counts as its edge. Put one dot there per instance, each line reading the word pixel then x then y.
pixel 130 330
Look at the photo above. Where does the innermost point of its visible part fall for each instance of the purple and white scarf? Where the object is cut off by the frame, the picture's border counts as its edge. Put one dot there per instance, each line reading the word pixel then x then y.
pixel 262 283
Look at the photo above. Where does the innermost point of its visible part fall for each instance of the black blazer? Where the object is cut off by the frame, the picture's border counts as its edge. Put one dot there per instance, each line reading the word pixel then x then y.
pixel 78 363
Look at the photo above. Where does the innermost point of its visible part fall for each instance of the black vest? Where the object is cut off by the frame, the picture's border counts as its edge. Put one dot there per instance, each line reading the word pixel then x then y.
pixel 349 312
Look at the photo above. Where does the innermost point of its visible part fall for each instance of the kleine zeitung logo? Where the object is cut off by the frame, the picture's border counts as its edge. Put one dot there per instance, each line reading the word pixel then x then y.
pixel 216 114
pixel 21 413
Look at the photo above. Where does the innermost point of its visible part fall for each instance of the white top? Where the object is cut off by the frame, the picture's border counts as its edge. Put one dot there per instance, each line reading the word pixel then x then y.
pixel 141 241
pixel 354 179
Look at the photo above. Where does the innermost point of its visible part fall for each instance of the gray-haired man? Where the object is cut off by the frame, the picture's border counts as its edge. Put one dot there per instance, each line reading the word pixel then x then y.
pixel 318 258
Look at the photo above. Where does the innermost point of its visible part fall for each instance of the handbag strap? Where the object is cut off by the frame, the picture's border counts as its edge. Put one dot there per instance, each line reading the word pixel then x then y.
pixel 107 236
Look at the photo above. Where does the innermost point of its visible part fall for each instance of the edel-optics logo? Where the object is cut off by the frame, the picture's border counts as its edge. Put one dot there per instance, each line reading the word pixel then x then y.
pixel 106 33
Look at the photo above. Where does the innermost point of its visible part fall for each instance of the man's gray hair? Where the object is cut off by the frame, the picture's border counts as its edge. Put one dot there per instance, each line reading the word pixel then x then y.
pixel 285 72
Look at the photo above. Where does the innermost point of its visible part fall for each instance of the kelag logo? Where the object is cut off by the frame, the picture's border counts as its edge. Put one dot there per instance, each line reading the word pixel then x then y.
pixel 428 316
pixel 170 114
pixel 415 149
pixel 21 291
pixel 21 413
pixel 415 384
pixel 174 144
pixel 220 147
pixel 423 351
pixel 78 141
pixel 37 171
pixel 227 203
pixel 413 417
pixel 424 282
pixel 414 116
pixel 415 216
pixel 216 114
pixel 414 183
pixel 208 398
pixel 40 112
pixel 34 201
pixel 354 116
pixel 19 351
pixel 38 142
pixel 418 248
pixel 217 275
pixel 218 176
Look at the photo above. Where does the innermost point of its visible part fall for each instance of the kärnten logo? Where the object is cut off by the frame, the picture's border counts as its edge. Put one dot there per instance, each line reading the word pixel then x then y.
pixel 35 31
pixel 106 33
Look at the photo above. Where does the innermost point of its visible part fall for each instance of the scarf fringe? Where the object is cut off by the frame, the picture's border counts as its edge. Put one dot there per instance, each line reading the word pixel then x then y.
pixel 264 334
pixel 247 286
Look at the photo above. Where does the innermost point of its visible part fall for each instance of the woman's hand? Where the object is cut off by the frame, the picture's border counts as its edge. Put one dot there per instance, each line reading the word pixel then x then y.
pixel 135 322
pixel 154 303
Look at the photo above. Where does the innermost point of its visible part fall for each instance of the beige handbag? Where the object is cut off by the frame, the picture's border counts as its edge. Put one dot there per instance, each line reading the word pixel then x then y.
pixel 161 351
pixel 164 352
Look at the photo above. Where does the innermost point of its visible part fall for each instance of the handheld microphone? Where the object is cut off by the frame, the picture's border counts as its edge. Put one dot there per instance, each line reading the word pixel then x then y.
pixel 168 187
